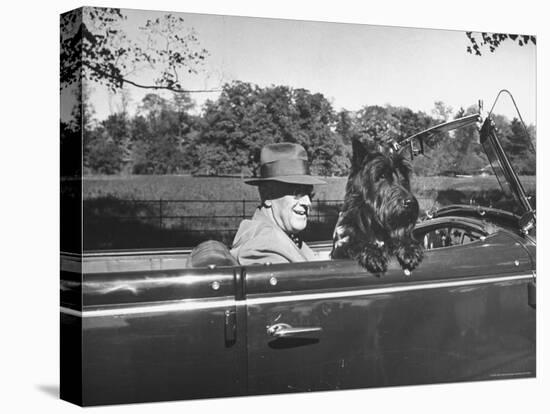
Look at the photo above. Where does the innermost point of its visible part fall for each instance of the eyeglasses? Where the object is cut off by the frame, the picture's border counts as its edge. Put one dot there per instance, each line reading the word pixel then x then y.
pixel 274 190
pixel 301 191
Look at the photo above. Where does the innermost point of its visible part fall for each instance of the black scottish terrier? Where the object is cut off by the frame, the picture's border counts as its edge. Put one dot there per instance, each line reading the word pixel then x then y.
pixel 379 211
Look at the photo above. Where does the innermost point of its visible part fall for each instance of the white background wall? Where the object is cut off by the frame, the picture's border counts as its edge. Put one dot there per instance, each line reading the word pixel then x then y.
pixel 29 209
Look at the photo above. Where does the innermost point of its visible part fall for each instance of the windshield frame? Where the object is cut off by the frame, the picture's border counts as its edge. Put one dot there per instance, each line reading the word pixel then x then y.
pixel 501 165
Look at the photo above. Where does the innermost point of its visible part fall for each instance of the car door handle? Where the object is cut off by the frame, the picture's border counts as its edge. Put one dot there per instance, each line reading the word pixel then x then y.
pixel 284 330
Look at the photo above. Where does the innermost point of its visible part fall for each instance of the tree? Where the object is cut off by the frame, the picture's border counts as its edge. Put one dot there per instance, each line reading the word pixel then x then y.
pixel 377 125
pixel 345 126
pixel 92 39
pixel 104 155
pixel 493 40
pixel 104 144
pixel 233 127
pixel 457 152
pixel 246 117
pixel 70 149
pixel 92 133
pixel 140 133
pixel 410 122
pixel 117 127
pixel 160 133
pixel 517 145
pixel 469 156
pixel 315 121
pixel 442 112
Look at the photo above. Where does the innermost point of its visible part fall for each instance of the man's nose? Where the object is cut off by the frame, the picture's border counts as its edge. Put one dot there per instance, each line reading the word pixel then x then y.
pixel 305 200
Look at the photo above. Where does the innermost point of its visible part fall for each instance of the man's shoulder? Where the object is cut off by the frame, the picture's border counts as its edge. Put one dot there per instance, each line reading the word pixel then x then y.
pixel 260 245
pixel 258 240
pixel 259 232
pixel 253 228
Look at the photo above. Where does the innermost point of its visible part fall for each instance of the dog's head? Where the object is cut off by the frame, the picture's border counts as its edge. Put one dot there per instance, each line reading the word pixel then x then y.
pixel 379 179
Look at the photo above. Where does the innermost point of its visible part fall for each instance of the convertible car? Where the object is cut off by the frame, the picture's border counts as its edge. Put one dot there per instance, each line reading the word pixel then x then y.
pixel 182 324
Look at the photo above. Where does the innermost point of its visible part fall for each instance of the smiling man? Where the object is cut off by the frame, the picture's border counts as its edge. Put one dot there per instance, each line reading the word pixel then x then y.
pixel 286 190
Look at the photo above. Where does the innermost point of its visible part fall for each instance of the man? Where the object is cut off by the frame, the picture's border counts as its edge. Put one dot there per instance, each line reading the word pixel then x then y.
pixel 286 189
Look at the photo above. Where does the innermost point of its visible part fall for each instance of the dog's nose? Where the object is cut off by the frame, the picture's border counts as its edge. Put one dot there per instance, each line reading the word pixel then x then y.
pixel 408 202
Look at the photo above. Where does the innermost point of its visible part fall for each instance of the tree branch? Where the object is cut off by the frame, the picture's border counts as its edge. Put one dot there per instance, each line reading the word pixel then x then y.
pixel 121 80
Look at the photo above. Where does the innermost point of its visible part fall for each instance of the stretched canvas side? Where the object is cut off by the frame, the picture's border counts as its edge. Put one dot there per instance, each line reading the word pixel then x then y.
pixel 71 209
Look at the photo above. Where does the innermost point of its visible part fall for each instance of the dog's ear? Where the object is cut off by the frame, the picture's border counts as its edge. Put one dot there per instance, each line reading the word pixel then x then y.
pixel 359 153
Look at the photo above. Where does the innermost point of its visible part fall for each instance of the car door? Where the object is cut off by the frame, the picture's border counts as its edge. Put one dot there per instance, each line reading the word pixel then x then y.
pixel 462 315
pixel 157 334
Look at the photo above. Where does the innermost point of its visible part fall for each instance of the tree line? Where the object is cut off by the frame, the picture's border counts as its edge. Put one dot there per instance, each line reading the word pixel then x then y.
pixel 165 135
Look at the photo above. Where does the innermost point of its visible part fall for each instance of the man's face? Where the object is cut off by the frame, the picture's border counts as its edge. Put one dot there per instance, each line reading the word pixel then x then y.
pixel 290 205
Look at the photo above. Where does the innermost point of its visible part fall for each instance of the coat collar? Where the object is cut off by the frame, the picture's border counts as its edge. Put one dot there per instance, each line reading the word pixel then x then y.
pixel 262 214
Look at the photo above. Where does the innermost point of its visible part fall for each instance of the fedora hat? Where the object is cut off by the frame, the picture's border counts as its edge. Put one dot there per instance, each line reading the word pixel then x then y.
pixel 285 162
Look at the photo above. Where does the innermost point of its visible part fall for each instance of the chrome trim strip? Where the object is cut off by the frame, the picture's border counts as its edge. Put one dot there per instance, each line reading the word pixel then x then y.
pixel 152 308
pixel 211 304
pixel 382 291
pixel 134 252
pixel 70 311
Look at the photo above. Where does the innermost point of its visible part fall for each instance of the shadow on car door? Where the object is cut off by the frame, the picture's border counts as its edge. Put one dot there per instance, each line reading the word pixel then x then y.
pixel 463 315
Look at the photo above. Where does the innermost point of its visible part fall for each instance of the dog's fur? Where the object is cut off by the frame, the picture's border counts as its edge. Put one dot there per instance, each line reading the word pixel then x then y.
pixel 379 212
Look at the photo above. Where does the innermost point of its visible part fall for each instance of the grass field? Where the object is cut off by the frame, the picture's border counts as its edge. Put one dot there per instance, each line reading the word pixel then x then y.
pixel 170 187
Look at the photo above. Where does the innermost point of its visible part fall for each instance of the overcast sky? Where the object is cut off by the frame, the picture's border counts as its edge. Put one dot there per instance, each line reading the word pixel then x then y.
pixel 352 65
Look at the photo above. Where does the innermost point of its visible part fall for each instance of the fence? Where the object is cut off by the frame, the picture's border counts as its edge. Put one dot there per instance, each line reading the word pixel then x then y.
pixel 111 223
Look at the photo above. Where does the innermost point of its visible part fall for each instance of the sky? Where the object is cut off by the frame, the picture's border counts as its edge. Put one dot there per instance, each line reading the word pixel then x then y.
pixel 353 65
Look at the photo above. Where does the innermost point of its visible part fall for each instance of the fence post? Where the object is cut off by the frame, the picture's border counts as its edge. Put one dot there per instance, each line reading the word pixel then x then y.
pixel 160 213
pixel 318 210
pixel 244 208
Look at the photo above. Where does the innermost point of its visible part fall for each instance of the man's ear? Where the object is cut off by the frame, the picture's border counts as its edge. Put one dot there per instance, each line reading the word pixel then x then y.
pixel 265 193
pixel 359 153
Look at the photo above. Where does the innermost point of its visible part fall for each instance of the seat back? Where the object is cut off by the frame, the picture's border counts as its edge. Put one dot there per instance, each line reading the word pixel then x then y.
pixel 211 253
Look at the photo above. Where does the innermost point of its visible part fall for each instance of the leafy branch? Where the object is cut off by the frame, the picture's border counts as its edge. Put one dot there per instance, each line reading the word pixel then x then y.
pixel 93 40
pixel 493 40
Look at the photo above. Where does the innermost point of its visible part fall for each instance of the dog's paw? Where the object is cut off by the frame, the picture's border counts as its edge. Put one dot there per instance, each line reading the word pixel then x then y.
pixel 409 256
pixel 374 260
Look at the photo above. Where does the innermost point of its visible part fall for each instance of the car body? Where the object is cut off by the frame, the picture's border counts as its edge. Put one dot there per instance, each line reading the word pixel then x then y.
pixel 150 327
